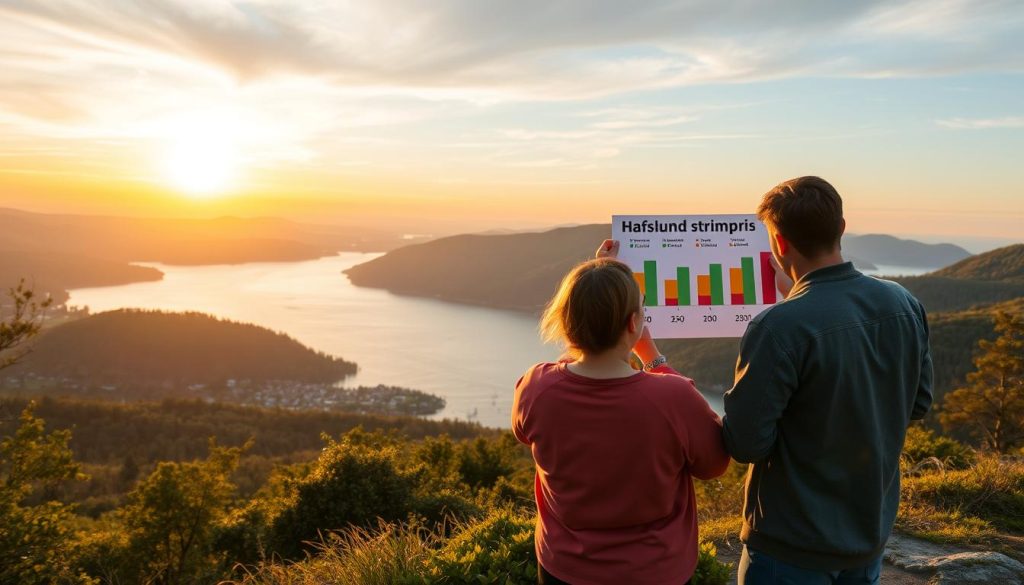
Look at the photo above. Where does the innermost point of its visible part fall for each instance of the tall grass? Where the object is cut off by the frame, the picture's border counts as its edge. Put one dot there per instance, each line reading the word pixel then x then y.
pixel 964 505
pixel 391 555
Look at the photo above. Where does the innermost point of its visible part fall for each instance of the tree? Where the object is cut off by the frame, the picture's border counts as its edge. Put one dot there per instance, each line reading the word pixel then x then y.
pixel 991 406
pixel 36 538
pixel 171 515
pixel 24 320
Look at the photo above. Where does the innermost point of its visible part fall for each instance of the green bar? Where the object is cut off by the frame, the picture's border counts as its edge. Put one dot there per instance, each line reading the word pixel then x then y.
pixel 749 297
pixel 651 282
pixel 716 285
pixel 683 285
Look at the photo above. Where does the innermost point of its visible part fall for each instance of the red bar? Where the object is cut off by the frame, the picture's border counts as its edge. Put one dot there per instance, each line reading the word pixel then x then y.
pixel 703 300
pixel 737 298
pixel 671 302
pixel 767 279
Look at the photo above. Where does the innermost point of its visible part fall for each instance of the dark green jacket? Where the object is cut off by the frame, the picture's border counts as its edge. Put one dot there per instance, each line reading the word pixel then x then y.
pixel 826 383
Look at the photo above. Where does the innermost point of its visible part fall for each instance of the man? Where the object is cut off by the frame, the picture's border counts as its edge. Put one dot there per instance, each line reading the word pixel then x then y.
pixel 826 383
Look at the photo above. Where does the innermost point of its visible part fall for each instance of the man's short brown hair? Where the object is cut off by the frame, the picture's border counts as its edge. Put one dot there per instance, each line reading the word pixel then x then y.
pixel 807 211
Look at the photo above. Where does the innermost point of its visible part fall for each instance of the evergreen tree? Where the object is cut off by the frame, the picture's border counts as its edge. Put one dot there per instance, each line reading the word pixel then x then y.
pixel 991 406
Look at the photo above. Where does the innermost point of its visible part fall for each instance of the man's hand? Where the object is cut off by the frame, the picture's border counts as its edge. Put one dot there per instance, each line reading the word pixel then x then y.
pixel 608 249
pixel 782 280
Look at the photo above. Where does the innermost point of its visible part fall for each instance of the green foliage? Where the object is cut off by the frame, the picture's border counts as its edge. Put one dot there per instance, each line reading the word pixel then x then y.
pixel 943 526
pixel 164 534
pixel 709 570
pixel 971 505
pixel 21 323
pixel 177 430
pixel 36 538
pixel 496 549
pixel 992 491
pixel 721 497
pixel 391 555
pixel 353 483
pixel 991 406
pixel 922 445
pixel 482 462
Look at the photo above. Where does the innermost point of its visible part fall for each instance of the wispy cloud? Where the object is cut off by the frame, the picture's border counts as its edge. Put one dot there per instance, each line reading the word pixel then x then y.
pixel 325 82
pixel 982 123
pixel 533 49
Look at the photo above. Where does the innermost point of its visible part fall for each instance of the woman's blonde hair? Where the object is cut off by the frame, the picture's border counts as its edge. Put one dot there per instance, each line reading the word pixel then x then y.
pixel 592 307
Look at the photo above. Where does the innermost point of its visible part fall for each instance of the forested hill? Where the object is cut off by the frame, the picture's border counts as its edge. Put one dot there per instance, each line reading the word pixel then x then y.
pixel 516 271
pixel 993 277
pixel 1002 264
pixel 152 347
pixel 521 271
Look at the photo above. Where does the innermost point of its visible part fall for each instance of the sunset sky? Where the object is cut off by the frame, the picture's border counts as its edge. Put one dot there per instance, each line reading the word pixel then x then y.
pixel 475 114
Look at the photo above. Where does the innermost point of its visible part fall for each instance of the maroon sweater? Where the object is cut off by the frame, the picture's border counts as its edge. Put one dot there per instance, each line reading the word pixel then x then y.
pixel 614 463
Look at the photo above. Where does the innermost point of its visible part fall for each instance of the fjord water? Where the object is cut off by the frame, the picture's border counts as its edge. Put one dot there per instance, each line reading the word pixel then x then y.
pixel 471 356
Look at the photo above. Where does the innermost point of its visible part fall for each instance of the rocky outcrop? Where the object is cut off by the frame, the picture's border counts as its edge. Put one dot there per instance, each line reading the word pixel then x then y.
pixel 947 565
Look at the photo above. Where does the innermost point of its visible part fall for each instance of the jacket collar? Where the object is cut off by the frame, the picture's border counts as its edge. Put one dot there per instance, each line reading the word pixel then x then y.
pixel 841 271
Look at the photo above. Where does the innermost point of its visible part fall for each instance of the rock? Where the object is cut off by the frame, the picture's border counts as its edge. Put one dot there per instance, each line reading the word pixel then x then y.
pixel 977 567
pixel 948 566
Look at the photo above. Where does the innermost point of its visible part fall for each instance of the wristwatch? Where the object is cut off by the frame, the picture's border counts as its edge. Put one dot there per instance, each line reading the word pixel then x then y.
pixel 658 361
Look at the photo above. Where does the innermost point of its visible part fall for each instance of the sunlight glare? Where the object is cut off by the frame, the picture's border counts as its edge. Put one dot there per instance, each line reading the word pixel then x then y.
pixel 201 157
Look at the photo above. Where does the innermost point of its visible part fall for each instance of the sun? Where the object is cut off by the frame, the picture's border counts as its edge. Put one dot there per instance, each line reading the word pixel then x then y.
pixel 200 158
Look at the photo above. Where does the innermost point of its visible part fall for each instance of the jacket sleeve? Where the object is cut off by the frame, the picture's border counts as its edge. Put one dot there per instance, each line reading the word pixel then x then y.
pixel 765 380
pixel 923 396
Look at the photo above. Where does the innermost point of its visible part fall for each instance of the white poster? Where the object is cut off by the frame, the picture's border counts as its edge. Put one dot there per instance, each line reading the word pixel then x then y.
pixel 701 275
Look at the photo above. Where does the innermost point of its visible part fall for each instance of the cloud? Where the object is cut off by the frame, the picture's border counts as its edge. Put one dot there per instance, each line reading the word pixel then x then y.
pixel 982 123
pixel 537 49
pixel 318 82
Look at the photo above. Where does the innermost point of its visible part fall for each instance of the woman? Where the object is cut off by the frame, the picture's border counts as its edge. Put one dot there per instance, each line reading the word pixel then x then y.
pixel 615 448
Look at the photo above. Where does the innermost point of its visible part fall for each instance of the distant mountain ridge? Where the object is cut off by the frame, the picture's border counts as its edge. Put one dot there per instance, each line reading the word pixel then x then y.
pixel 892 251
pixel 40 247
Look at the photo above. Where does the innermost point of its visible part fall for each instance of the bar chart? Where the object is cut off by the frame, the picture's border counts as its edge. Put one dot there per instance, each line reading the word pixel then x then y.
pixel 699 283
pixel 676 292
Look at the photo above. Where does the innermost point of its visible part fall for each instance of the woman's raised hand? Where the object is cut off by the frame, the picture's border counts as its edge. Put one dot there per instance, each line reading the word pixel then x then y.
pixel 608 249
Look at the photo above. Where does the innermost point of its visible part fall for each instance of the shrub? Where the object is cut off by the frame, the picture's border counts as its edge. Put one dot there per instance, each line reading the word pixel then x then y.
pixel 483 461
pixel 496 549
pixel 922 444
pixel 352 484
pixel 439 509
pixel 709 571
